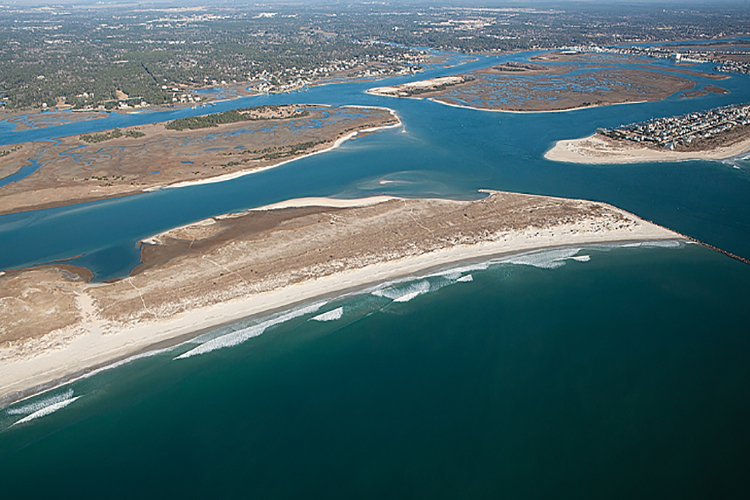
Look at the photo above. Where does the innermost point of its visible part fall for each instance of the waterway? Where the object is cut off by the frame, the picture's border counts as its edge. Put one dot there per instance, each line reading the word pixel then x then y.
pixel 621 373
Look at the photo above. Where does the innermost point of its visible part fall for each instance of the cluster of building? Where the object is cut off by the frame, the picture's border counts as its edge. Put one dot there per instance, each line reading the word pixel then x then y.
pixel 356 67
pixel 734 67
pixel 687 56
pixel 682 130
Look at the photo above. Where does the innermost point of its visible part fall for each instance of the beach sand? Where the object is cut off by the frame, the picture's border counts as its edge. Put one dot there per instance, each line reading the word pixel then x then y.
pixel 226 268
pixel 597 149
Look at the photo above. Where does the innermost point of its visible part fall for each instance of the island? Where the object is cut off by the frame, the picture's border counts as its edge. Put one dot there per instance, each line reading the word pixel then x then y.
pixel 206 148
pixel 533 87
pixel 716 134
pixel 56 324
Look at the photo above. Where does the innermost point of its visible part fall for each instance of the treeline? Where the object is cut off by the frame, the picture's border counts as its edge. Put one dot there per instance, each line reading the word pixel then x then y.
pixel 112 134
pixel 231 116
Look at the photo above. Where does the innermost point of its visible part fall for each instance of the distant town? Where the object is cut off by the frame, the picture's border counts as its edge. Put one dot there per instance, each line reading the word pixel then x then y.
pixel 680 132
pixel 88 57
pixel 729 61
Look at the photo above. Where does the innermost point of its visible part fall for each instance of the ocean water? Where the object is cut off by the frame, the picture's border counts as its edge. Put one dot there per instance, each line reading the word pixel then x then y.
pixel 618 376
pixel 578 373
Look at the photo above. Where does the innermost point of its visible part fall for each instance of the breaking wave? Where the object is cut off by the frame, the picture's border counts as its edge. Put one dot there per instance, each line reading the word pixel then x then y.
pixel 38 405
pixel 42 408
pixel 465 279
pixel 404 294
pixel 660 244
pixel 330 315
pixel 550 259
pixel 240 336
pixel 125 361
pixel 456 272
pixel 47 410
pixel 451 275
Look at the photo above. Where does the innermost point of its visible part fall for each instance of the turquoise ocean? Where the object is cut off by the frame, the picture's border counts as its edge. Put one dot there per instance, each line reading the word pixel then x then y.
pixel 605 371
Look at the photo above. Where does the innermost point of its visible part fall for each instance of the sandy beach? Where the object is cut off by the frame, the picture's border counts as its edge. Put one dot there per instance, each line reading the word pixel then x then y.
pixel 597 149
pixel 220 270
pixel 438 100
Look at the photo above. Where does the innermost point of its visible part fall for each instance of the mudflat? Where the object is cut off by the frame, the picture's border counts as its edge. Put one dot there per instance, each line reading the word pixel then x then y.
pixel 121 162
pixel 535 87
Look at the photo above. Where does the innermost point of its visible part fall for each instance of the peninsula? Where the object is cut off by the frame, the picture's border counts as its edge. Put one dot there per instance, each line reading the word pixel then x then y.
pixel 715 134
pixel 204 148
pixel 55 323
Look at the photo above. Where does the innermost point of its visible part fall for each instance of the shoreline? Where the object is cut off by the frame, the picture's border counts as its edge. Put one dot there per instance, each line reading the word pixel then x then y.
pixel 227 268
pixel 463 106
pixel 437 100
pixel 235 175
pixel 596 150
pixel 403 272
pixel 332 145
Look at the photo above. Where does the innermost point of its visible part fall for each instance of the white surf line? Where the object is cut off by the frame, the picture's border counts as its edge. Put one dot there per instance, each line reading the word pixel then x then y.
pixel 47 410
pixel 40 404
pixel 332 315
pixel 235 175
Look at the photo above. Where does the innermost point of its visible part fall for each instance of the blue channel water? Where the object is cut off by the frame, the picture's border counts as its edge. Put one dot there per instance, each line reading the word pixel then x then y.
pixel 441 151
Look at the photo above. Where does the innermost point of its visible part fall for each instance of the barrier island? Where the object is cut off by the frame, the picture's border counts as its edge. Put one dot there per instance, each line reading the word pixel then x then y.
pixel 55 324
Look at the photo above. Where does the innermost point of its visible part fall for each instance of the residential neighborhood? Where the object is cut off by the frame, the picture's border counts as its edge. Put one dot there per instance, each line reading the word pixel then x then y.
pixel 683 130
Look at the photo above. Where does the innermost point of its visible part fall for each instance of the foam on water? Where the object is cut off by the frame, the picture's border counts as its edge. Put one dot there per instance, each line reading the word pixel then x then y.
pixel 653 244
pixel 661 244
pixel 240 336
pixel 39 405
pixel 330 315
pixel 42 408
pixel 451 275
pixel 550 259
pixel 125 361
pixel 404 294
pixel 456 272
pixel 465 279
pixel 47 410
